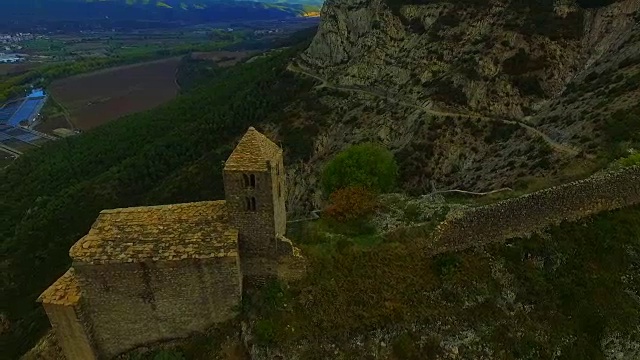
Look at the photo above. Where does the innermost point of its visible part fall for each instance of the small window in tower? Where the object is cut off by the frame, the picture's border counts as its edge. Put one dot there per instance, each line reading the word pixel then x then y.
pixel 247 204
pixel 245 177
pixel 253 181
pixel 279 192
pixel 253 204
pixel 278 169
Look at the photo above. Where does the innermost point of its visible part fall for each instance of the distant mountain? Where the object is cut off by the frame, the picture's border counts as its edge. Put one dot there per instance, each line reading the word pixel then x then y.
pixel 153 10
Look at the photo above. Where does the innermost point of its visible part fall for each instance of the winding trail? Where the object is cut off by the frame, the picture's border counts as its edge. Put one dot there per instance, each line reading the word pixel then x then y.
pixel 471 192
pixel 559 147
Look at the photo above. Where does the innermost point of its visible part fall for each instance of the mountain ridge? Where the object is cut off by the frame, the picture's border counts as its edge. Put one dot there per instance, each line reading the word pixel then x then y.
pixel 152 10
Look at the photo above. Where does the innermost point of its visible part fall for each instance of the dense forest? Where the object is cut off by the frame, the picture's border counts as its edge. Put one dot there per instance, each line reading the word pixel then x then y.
pixel 51 196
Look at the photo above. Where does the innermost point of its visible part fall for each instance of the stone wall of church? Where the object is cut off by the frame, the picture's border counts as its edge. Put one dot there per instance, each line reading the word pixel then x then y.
pixel 128 305
pixel 259 227
pixel 256 227
pixel 70 331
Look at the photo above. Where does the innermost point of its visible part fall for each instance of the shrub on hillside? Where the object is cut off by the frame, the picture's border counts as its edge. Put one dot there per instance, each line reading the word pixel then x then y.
pixel 168 355
pixel 265 332
pixel 631 160
pixel 529 85
pixel 448 92
pixel 366 165
pixel 351 203
pixel 522 62
pixel 587 4
pixel 623 125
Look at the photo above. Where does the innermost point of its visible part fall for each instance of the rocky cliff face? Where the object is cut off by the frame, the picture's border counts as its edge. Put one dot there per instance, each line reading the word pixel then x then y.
pixel 469 94
pixel 500 57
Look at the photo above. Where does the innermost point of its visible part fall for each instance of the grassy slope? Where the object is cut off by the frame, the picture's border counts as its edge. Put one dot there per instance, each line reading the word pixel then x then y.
pixel 570 291
pixel 569 295
pixel 52 195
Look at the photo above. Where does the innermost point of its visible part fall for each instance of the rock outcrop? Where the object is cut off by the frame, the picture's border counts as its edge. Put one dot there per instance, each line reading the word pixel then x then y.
pixel 500 57
pixel 472 95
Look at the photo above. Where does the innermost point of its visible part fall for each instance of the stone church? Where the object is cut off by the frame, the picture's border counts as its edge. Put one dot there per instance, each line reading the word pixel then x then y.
pixel 147 274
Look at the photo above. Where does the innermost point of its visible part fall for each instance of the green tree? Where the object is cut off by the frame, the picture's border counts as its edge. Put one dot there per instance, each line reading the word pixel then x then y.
pixel 365 165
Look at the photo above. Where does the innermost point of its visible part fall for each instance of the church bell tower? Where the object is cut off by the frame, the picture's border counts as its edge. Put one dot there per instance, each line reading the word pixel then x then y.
pixel 254 189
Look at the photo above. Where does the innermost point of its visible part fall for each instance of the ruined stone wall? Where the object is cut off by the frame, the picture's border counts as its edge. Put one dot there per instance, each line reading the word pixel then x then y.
pixel 68 327
pixel 136 303
pixel 292 265
pixel 536 211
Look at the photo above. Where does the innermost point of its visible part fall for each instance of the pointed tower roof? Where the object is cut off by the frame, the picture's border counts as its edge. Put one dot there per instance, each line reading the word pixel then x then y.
pixel 252 152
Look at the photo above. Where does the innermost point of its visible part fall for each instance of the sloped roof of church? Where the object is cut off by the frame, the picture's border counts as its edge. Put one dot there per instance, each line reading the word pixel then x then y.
pixel 65 291
pixel 169 232
pixel 252 152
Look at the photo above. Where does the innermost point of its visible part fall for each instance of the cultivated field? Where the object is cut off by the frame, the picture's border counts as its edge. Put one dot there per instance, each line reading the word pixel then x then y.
pixel 8 69
pixel 223 58
pixel 96 98
pixel 50 123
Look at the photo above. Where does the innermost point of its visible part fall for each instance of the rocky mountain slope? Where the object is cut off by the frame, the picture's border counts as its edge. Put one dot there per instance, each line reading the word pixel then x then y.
pixel 471 94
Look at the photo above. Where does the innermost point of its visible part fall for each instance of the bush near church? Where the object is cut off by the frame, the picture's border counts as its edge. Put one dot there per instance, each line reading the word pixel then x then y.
pixel 369 166
pixel 351 203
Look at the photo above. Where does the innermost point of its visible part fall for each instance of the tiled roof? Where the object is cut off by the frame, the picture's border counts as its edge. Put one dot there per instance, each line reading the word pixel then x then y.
pixel 169 232
pixel 65 291
pixel 252 152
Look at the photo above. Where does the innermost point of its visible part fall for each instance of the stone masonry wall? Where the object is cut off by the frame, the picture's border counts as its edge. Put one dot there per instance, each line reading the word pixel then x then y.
pixel 70 333
pixel 257 229
pixel 136 303
pixel 533 212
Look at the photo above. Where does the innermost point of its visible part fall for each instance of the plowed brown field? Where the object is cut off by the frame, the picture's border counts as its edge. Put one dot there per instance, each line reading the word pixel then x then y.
pixel 8 69
pixel 96 98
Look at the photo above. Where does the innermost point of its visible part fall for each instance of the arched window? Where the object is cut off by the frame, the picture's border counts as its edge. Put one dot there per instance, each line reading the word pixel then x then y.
pixel 253 204
pixel 245 177
pixel 253 181
pixel 279 192
pixel 247 204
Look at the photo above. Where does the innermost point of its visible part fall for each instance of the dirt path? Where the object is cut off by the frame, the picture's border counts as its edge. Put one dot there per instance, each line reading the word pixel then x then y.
pixel 65 112
pixel 552 143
